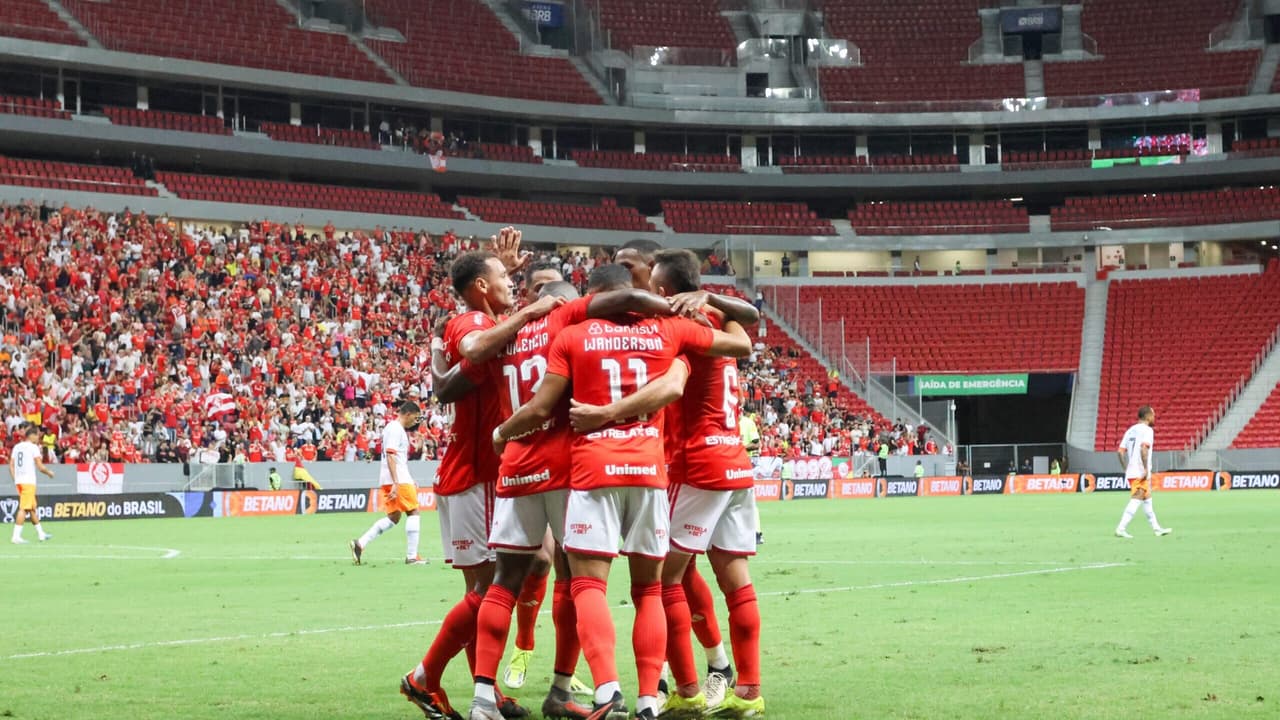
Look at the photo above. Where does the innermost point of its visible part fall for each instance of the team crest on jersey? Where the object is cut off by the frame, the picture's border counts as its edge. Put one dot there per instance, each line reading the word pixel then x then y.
pixel 595 328
pixel 580 528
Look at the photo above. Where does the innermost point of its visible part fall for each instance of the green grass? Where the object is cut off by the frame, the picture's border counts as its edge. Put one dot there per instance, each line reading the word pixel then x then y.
pixel 980 607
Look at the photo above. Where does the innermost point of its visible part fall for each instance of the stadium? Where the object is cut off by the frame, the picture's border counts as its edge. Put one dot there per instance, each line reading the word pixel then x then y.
pixel 531 287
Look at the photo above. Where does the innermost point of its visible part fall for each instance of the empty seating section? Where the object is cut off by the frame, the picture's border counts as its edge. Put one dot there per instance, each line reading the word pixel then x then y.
pixel 698 162
pixel 1047 160
pixel 71 176
pixel 819 164
pixel 1168 209
pixel 997 327
pixel 665 23
pixel 1181 345
pixel 162 120
pixel 912 52
pixel 744 218
pixel 250 33
pixel 605 216
pixel 34 20
pixel 1260 147
pixel 498 152
pixel 316 135
pixel 1154 46
pixel 1263 431
pixel 460 45
pixel 306 195
pixel 948 217
pixel 33 107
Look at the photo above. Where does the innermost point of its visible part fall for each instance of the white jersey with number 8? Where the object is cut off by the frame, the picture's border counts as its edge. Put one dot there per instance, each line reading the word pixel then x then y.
pixel 24 463
pixel 1135 439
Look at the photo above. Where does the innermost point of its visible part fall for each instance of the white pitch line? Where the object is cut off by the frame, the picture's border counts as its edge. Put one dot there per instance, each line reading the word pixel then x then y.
pixel 756 560
pixel 943 581
pixel 165 553
pixel 422 623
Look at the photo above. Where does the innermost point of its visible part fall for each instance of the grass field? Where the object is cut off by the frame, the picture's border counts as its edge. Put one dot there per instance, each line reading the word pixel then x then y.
pixel 976 607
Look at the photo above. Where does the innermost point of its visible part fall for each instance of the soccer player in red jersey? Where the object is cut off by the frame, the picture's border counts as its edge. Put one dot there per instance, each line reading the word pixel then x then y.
pixel 532 490
pixel 618 484
pixel 713 506
pixel 468 471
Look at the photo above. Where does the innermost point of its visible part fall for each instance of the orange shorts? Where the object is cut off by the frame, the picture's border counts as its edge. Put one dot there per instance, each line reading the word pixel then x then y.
pixel 26 497
pixel 1139 486
pixel 402 497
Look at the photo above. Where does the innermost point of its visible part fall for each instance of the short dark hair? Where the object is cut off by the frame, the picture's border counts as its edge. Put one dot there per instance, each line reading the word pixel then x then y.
pixel 409 407
pixel 644 246
pixel 560 289
pixel 546 266
pixel 608 277
pixel 681 268
pixel 1144 411
pixel 467 267
pixel 31 429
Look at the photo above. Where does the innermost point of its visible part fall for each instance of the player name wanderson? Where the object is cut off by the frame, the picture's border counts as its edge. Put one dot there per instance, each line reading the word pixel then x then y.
pixel 623 343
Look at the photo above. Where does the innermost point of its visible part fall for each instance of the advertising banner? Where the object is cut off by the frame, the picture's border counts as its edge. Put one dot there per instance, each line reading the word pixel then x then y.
pixel 853 488
pixel 314 502
pixel 1182 481
pixel 545 14
pixel 1039 484
pixel 1104 483
pixel 768 478
pixel 117 507
pixel 810 468
pixel 899 487
pixel 100 478
pixel 255 503
pixel 806 489
pixel 934 486
pixel 1265 480
pixel 1031 20
pixel 987 485
pixel 952 385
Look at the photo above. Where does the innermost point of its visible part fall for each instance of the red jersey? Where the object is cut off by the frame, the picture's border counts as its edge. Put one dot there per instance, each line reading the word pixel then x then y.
pixel 608 361
pixel 714 458
pixel 539 461
pixel 470 459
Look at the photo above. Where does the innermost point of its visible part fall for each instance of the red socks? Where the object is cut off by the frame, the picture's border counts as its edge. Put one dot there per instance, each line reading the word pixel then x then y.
pixel 679 651
pixel 492 626
pixel 649 636
pixel 456 632
pixel 595 629
pixel 702 607
pixel 565 617
pixel 527 607
pixel 744 634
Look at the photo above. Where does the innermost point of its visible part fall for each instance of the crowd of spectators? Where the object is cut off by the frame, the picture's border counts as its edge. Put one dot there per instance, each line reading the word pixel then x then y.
pixel 131 338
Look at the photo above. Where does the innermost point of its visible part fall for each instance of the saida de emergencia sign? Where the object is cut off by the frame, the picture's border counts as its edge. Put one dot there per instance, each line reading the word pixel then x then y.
pixel 952 385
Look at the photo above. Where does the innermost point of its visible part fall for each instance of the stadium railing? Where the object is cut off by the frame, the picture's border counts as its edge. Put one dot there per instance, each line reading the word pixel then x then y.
pixel 1025 104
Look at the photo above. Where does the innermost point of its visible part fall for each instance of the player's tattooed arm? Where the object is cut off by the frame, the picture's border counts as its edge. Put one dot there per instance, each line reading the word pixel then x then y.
pixel 532 414
pixel 631 300
pixel 649 399
pixel 690 303
pixel 730 342
pixel 449 384
pixel 484 345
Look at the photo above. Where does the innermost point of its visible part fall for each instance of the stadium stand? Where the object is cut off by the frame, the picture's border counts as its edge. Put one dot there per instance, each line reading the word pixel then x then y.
pixel 1263 430
pixel 655 161
pixel 33 107
pixel 665 23
pixel 305 195
pixel 1183 346
pixel 247 33
pixel 1049 160
pixel 1168 209
pixel 316 135
pixel 744 218
pixel 1259 147
pixel 71 176
pixel 162 120
pixel 913 52
pixel 605 216
pixel 820 164
pixel 1145 47
pixel 460 45
pixel 34 20
pixel 939 218
pixel 995 327
pixel 497 152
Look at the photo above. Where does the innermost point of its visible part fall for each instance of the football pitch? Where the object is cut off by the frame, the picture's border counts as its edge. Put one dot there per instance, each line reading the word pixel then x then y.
pixel 967 607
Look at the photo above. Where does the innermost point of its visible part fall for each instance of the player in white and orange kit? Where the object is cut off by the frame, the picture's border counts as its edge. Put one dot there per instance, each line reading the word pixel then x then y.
pixel 1135 456
pixel 24 462
pixel 399 492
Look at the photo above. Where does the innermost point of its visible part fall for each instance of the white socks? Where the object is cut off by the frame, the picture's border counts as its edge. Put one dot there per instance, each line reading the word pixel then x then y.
pixel 411 525
pixel 647 701
pixel 384 524
pixel 484 691
pixel 1146 507
pixel 40 531
pixel 716 658
pixel 563 682
pixel 605 692
pixel 1129 510
pixel 17 532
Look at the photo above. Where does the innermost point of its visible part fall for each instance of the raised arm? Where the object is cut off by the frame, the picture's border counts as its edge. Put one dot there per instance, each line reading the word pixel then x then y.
pixel 730 342
pixel 630 300
pixel 483 345
pixel 649 399
pixel 736 309
pixel 532 414
pixel 449 384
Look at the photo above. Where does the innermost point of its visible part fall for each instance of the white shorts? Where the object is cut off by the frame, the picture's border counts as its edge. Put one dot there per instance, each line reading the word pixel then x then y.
pixel 465 519
pixel 722 519
pixel 595 519
pixel 520 523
